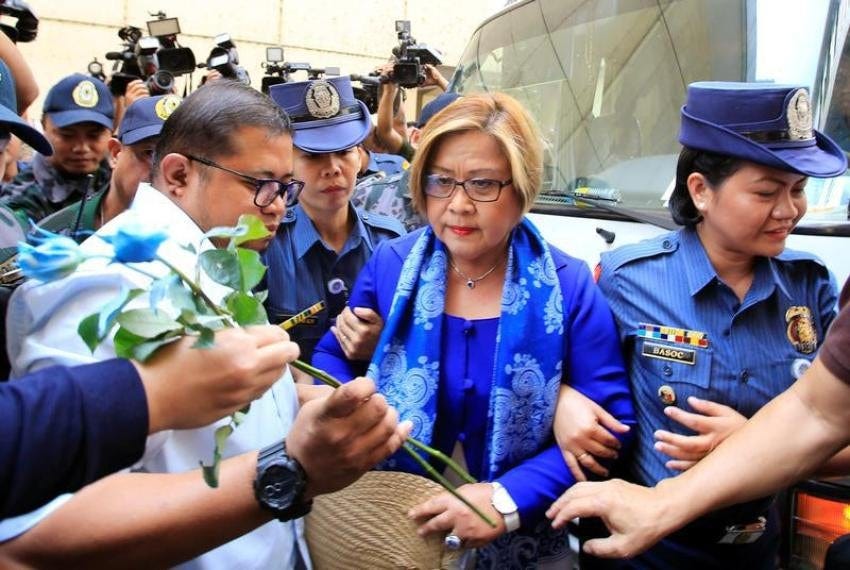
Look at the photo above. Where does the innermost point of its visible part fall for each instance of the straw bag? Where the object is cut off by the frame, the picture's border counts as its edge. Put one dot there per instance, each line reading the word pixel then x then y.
pixel 365 525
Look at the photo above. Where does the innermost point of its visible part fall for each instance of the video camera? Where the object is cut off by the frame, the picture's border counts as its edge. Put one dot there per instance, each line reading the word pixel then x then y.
pixel 410 57
pixel 279 71
pixel 157 58
pixel 26 28
pixel 225 59
pixel 368 90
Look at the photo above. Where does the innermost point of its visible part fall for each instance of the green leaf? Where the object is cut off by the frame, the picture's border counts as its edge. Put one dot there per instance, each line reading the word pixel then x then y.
pixel 251 268
pixel 254 229
pixel 181 297
pixel 261 296
pixel 147 324
pixel 189 247
pixel 88 331
pixel 206 339
pixel 239 417
pixel 125 342
pixel 222 266
pixel 221 435
pixel 145 350
pixel 245 309
pixel 210 472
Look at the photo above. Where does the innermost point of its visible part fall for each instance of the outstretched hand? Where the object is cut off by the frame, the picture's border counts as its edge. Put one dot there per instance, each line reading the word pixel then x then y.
pixel 713 423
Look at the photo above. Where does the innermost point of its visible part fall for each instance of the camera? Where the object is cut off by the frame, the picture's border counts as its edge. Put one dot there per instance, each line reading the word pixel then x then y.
pixel 367 91
pixel 279 71
pixel 225 59
pixel 410 56
pixel 26 28
pixel 157 58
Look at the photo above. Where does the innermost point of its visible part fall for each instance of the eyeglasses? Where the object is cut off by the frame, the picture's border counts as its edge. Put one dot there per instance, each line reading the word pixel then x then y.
pixel 265 189
pixel 478 189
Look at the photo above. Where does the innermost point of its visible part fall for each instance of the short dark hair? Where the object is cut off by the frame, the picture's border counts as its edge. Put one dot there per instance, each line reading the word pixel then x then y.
pixel 204 123
pixel 716 168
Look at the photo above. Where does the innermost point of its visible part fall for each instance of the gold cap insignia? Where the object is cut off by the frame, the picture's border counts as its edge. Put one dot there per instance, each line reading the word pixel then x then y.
pixel 165 106
pixel 667 395
pixel 85 94
pixel 322 100
pixel 801 329
pixel 799 114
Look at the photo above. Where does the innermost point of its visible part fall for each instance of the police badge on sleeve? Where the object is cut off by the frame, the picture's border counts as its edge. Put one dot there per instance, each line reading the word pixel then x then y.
pixel 801 329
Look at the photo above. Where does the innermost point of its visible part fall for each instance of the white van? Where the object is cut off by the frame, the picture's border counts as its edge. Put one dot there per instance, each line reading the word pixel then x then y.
pixel 606 80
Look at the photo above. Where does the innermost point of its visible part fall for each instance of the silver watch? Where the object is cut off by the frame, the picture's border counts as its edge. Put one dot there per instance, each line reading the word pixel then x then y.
pixel 506 506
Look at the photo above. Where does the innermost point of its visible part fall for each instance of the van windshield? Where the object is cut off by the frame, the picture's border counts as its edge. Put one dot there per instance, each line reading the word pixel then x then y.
pixel 606 79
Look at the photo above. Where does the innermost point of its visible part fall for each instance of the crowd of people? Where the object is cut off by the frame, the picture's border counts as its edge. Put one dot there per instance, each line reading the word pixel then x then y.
pixel 446 314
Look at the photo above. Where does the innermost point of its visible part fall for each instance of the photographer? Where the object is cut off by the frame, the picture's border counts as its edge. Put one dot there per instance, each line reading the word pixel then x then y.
pixel 391 131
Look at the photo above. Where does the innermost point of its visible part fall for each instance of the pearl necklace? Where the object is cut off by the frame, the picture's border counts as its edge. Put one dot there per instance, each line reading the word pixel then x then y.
pixel 471 281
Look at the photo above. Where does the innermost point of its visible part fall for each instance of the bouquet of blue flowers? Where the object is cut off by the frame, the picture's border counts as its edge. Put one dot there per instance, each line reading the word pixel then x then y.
pixel 178 306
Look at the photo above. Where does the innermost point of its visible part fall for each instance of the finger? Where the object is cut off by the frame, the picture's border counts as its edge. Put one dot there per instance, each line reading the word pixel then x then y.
pixel 709 408
pixel 610 422
pixel 442 523
pixel 696 422
pixel 433 506
pixel 611 547
pixel 589 462
pixel 680 465
pixel 274 356
pixel 366 314
pixel 600 445
pixel 676 452
pixel 685 443
pixel 265 334
pixel 348 397
pixel 563 511
pixel 572 463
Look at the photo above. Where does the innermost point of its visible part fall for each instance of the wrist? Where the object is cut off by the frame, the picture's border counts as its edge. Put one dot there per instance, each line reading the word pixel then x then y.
pixel 157 416
pixel 504 504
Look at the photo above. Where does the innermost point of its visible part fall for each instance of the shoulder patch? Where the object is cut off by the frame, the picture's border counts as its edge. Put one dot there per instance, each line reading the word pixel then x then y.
pixel 659 245
pixel 381 222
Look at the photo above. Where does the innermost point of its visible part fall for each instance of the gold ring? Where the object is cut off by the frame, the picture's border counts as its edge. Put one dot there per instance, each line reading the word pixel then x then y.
pixel 582 455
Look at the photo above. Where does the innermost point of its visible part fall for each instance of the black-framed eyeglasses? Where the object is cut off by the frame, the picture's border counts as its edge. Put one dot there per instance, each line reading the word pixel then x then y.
pixel 265 189
pixel 478 189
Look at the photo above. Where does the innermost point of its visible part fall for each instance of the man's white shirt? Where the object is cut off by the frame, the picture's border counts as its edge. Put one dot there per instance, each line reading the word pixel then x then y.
pixel 42 321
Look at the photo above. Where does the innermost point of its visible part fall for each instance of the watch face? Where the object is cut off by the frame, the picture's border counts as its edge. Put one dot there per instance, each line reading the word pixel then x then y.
pixel 279 486
pixel 502 502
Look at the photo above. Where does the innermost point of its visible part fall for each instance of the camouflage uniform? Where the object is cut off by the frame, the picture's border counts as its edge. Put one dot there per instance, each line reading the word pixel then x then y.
pixel 388 195
pixel 42 190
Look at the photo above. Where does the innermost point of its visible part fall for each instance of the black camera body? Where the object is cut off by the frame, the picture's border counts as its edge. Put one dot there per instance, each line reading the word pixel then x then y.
pixel 225 59
pixel 156 58
pixel 26 28
pixel 410 57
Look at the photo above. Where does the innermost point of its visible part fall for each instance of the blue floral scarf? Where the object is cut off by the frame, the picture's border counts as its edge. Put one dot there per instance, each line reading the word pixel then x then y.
pixel 528 353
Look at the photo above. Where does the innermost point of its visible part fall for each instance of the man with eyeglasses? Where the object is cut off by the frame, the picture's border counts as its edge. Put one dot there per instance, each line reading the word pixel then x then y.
pixel 224 152
pixel 324 242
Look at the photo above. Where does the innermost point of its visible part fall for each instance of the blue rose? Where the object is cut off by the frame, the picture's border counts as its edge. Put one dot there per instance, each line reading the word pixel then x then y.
pixel 136 243
pixel 52 257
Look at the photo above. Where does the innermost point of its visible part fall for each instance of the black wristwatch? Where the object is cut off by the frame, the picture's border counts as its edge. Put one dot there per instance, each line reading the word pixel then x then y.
pixel 280 483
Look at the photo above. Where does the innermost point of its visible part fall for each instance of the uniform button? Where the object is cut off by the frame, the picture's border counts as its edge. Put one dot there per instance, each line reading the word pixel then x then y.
pixel 365 216
pixel 666 244
pixel 727 332
pixel 461 437
pixel 745 375
pixel 668 371
pixel 468 384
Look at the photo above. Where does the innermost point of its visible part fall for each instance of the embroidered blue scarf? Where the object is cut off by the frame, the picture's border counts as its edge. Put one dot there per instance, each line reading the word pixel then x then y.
pixel 528 353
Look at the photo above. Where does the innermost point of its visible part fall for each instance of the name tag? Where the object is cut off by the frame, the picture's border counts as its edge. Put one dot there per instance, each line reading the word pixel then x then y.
pixel 306 321
pixel 672 353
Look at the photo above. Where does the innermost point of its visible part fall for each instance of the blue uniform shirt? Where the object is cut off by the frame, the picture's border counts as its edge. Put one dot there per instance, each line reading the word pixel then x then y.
pixel 387 163
pixel 749 352
pixel 300 266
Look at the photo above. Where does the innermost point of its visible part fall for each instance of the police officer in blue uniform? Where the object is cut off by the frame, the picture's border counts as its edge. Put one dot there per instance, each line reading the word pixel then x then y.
pixel 323 241
pixel 718 317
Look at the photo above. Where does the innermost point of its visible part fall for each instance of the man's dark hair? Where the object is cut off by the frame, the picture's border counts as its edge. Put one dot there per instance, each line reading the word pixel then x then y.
pixel 716 168
pixel 204 123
